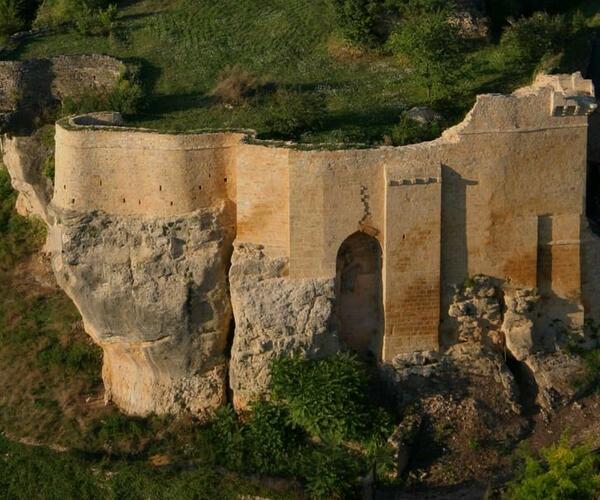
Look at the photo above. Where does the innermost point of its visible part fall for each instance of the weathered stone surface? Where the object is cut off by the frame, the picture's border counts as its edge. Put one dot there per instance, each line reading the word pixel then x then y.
pixel 518 326
pixel 153 294
pixel 403 440
pixel 423 115
pixel 558 376
pixel 24 158
pixel 477 308
pixel 274 315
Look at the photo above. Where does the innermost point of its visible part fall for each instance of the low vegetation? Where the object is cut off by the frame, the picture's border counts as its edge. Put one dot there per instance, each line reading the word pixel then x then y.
pixel 558 472
pixel 334 71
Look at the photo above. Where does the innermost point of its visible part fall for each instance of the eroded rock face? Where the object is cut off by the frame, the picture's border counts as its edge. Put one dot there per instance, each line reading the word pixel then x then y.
pixel 518 326
pixel 153 294
pixel 274 316
pixel 24 158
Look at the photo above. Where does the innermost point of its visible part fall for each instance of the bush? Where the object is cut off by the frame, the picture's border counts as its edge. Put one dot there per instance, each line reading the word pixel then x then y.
pixel 271 438
pixel 357 19
pixel 560 472
pixel 99 21
pixel 411 132
pixel 10 18
pixel 289 114
pixel 527 40
pixel 328 397
pixel 433 48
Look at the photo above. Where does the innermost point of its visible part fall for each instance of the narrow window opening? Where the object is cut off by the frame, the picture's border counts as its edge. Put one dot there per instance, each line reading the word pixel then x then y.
pixel 73 200
pixel 160 188
pixel 171 203
pixel 123 200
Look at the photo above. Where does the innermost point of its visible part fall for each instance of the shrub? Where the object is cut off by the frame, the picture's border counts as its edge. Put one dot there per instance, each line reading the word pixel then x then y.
pixel 560 472
pixel 433 48
pixel 328 397
pixel 289 114
pixel 99 21
pixel 10 18
pixel 235 85
pixel 357 19
pixel 411 132
pixel 271 439
pixel 330 472
pixel 527 40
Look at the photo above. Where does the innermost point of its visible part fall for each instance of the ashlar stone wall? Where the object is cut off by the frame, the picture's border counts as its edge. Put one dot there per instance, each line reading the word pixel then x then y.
pixel 501 194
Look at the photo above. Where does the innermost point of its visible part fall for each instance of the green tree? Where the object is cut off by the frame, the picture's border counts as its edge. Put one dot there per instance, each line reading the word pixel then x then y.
pixel 432 47
pixel 560 472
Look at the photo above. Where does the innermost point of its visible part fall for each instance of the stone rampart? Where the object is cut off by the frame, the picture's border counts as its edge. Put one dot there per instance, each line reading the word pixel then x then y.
pixel 501 194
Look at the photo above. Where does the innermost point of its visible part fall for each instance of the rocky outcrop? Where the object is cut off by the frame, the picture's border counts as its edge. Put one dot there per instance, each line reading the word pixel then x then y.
pixel 25 158
pixel 274 316
pixel 153 294
pixel 518 326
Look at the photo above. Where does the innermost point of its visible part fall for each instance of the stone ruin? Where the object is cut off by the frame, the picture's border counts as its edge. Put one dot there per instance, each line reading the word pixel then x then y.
pixel 180 248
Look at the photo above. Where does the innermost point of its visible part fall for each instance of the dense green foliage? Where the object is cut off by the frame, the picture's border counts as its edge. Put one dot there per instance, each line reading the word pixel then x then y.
pixel 527 40
pixel 433 49
pixel 19 236
pixel 317 408
pixel 561 472
pixel 329 398
pixel 357 19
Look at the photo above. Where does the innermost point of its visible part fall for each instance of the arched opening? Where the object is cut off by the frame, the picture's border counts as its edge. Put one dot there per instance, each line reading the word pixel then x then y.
pixel 359 304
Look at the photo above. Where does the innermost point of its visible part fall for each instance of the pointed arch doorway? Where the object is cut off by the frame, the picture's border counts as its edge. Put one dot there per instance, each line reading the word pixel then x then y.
pixel 359 295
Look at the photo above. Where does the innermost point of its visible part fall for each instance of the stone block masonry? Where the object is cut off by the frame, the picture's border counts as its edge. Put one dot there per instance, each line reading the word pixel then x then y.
pixel 501 194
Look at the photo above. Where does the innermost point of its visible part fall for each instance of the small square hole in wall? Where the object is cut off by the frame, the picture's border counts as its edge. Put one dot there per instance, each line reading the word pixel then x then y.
pixel 199 188
pixel 224 179
pixel 73 200
pixel 171 203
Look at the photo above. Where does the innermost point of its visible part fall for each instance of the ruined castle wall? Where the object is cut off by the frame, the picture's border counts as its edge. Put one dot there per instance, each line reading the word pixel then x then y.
pixel 333 194
pixel 263 193
pixel 130 172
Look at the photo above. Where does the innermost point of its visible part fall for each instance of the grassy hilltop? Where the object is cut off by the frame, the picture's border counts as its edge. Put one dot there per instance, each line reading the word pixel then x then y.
pixel 292 72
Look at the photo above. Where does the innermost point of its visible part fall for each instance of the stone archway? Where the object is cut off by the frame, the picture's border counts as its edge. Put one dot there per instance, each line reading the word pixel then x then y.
pixel 359 304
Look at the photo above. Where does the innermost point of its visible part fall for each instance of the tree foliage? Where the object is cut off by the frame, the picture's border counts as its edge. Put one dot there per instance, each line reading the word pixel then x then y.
pixel 433 48
pixel 560 472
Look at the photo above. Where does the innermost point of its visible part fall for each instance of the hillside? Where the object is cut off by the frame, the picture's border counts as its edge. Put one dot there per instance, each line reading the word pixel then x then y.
pixel 299 68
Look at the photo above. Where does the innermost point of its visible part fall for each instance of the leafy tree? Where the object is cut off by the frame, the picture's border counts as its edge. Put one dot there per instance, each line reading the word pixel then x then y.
pixel 433 48
pixel 560 473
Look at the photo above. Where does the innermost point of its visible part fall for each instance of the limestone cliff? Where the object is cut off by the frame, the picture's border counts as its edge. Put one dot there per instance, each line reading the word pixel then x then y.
pixel 153 294
pixel 24 158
